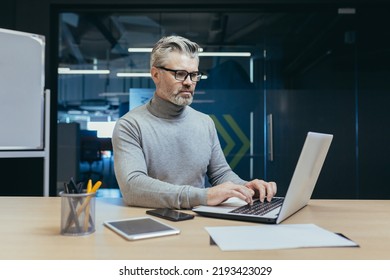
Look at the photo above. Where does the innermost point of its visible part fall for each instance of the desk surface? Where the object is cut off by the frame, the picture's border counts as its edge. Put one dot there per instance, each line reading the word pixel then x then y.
pixel 30 230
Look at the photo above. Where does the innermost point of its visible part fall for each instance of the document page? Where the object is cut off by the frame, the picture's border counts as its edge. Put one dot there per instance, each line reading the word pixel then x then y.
pixel 268 237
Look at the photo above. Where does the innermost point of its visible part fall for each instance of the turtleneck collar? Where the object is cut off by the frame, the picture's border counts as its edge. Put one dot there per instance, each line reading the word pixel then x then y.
pixel 162 108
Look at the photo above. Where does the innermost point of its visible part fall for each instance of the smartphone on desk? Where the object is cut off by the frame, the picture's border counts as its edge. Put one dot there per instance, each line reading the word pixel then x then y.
pixel 170 214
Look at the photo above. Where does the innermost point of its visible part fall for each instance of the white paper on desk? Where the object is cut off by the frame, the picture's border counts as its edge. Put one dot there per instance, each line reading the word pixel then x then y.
pixel 268 237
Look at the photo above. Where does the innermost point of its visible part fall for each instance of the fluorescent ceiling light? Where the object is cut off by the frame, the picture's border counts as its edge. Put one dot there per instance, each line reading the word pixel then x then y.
pixel 201 53
pixel 230 54
pixel 347 11
pixel 113 94
pixel 141 50
pixel 138 75
pixel 69 71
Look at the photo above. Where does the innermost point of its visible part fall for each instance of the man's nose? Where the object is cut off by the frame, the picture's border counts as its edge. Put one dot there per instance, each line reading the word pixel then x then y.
pixel 187 80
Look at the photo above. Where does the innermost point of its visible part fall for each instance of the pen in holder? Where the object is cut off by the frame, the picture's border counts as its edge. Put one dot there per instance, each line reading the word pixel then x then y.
pixel 77 213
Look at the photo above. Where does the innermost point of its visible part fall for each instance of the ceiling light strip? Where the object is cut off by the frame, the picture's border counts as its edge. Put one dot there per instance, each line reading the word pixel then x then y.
pixel 201 53
pixel 138 75
pixel 140 50
pixel 68 71
pixel 229 54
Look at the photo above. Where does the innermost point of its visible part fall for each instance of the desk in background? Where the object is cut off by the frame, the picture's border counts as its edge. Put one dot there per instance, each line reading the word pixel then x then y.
pixel 30 230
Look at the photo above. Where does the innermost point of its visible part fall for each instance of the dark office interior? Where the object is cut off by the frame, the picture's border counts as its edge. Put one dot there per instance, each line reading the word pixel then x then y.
pixel 318 66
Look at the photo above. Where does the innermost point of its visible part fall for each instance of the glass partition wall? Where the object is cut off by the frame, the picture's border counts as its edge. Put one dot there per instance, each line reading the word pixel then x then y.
pixel 270 77
pixel 103 72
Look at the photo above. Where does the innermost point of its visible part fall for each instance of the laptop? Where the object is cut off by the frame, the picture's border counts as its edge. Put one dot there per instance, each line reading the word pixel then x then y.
pixel 298 194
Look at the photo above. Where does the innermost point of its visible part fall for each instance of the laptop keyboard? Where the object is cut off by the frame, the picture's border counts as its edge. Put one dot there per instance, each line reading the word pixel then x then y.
pixel 259 208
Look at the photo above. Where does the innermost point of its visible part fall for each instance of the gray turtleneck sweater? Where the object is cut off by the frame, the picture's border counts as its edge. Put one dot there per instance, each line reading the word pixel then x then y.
pixel 163 154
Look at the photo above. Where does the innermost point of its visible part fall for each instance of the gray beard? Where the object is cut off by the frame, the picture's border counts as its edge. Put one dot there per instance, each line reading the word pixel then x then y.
pixel 178 100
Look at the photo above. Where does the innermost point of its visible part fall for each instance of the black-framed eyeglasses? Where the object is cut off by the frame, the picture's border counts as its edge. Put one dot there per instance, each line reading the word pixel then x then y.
pixel 181 75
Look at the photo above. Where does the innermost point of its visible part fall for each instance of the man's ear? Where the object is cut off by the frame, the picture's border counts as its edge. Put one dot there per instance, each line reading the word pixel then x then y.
pixel 155 74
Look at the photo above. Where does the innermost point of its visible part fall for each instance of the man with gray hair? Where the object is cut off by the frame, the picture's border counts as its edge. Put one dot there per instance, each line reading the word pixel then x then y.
pixel 164 150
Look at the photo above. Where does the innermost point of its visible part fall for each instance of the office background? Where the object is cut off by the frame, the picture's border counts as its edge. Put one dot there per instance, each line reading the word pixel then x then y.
pixel 313 65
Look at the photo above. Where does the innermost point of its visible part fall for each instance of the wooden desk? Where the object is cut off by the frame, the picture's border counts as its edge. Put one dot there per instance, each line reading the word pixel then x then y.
pixel 30 230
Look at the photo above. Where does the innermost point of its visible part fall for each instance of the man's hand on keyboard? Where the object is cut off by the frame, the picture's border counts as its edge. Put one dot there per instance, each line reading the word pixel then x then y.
pixel 222 192
pixel 262 189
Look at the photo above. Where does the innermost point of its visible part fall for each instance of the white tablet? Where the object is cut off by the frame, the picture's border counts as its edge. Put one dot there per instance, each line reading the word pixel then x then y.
pixel 140 228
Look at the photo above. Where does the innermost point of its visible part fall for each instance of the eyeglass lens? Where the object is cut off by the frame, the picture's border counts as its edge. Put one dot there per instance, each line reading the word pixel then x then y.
pixel 182 75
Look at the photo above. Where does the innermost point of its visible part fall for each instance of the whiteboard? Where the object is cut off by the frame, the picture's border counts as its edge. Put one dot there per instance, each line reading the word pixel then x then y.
pixel 22 81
